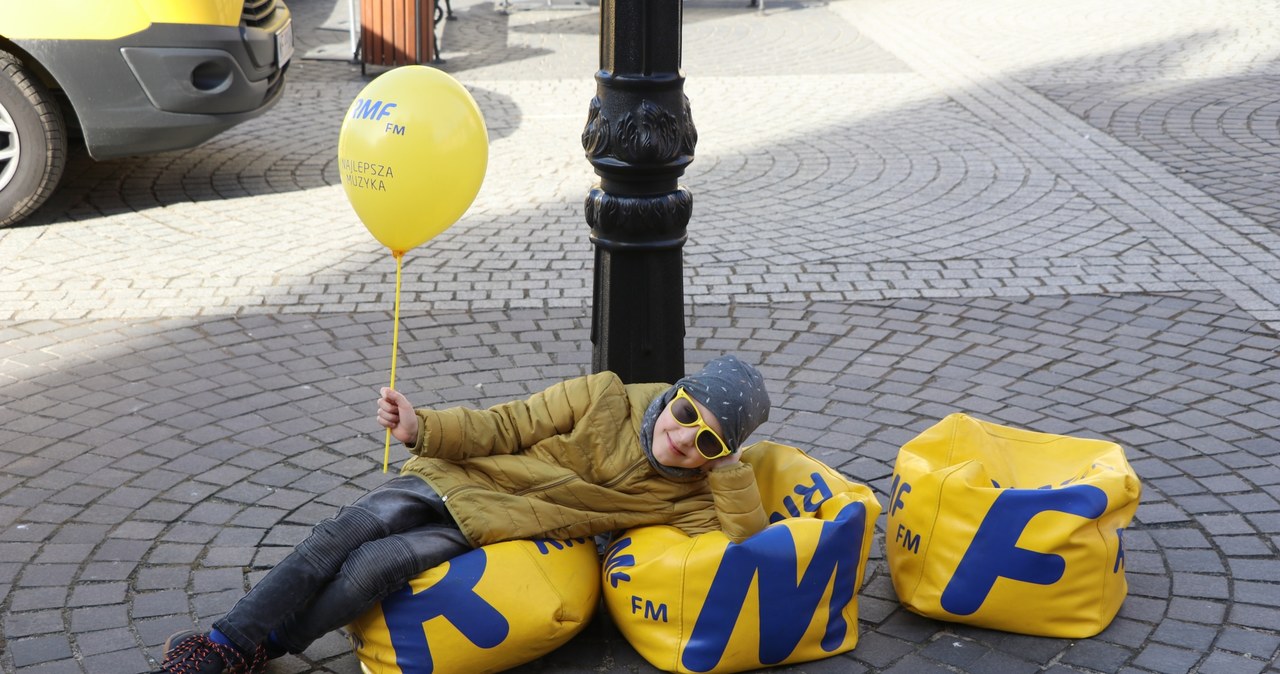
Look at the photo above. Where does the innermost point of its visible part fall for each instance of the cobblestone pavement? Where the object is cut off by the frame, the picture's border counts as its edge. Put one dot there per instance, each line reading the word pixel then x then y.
pixel 1060 216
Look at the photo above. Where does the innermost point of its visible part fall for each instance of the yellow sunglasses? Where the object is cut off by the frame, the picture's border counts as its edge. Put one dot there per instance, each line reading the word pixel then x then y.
pixel 709 443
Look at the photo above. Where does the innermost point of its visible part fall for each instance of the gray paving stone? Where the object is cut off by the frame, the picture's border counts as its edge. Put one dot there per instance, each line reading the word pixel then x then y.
pixel 998 662
pixel 1186 634
pixel 98 618
pixel 67 666
pixel 880 651
pixel 955 652
pixel 1256 593
pixel 914 663
pixel 36 650
pixel 1249 643
pixel 171 601
pixel 1197 585
pixel 1097 656
pixel 1247 615
pixel 33 623
pixel 97 594
pixel 1126 632
pixel 1226 662
pixel 105 641
pixel 1167 659
pixel 116 661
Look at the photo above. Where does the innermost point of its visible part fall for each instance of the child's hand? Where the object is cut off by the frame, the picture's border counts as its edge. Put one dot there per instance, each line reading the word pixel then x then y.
pixel 395 412
pixel 724 461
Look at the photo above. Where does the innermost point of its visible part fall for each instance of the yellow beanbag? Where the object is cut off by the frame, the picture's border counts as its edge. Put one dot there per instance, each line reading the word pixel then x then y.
pixel 1010 529
pixel 488 610
pixel 785 595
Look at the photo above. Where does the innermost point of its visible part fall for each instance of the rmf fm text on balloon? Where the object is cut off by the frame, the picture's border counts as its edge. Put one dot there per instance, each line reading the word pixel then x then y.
pixel 367 108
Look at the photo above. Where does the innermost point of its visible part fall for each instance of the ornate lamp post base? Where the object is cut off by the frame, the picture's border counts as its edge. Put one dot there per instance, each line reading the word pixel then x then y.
pixel 639 137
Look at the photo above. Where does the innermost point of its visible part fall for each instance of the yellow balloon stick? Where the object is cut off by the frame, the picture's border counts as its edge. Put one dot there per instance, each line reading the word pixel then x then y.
pixel 395 349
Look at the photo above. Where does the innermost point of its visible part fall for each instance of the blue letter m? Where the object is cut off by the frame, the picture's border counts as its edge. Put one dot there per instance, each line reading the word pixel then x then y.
pixel 787 608
pixel 366 108
pixel 993 553
pixel 453 598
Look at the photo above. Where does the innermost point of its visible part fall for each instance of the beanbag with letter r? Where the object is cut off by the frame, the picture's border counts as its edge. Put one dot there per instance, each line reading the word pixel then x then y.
pixel 487 610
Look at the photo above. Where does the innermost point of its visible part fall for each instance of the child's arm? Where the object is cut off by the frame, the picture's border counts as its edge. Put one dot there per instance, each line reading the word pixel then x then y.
pixel 459 433
pixel 737 498
pixel 733 506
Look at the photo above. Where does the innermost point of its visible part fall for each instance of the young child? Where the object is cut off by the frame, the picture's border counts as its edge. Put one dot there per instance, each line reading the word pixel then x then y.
pixel 584 457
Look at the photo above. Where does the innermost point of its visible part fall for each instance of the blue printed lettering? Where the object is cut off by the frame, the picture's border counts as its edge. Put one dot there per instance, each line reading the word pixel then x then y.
pixel 1093 469
pixel 546 544
pixel 615 559
pixel 897 491
pixel 811 497
pixel 453 598
pixel 1119 551
pixel 791 508
pixel 993 553
pixel 651 614
pixel 786 607
pixel 820 488
pixel 367 108
pixel 651 611
pixel 908 541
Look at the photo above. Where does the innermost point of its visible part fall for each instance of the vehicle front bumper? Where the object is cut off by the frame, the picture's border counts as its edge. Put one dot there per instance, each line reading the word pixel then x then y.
pixel 169 87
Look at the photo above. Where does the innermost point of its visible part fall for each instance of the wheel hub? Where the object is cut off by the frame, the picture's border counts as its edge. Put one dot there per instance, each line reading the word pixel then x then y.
pixel 9 148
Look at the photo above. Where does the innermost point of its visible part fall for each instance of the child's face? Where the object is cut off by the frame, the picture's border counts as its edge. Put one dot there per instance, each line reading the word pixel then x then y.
pixel 673 442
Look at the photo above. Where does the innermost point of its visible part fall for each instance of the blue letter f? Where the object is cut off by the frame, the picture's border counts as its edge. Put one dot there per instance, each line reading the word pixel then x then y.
pixel 994 554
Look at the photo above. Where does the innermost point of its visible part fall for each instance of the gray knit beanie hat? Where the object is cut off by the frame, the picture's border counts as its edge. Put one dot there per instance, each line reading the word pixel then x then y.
pixel 731 389
pixel 734 392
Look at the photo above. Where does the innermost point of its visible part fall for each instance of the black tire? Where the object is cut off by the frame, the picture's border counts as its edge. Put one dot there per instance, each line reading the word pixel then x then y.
pixel 33 142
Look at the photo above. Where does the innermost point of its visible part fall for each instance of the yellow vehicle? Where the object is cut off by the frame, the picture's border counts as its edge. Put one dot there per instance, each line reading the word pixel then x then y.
pixel 127 77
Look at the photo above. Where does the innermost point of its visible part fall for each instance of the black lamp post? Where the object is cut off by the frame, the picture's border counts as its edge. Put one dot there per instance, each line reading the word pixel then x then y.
pixel 639 137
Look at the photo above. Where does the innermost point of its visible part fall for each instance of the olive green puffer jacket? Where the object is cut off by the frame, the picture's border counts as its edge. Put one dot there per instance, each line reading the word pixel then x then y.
pixel 566 463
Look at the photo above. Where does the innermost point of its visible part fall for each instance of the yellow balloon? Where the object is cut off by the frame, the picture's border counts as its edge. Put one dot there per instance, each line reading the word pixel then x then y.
pixel 412 154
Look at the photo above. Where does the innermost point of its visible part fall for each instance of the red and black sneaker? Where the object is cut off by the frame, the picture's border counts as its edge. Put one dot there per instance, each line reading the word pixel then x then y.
pixel 192 652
